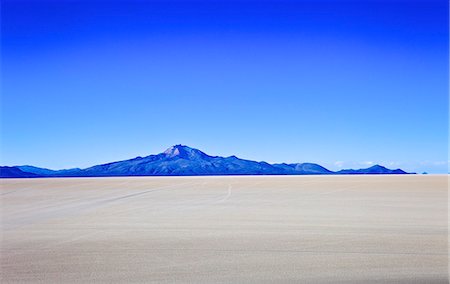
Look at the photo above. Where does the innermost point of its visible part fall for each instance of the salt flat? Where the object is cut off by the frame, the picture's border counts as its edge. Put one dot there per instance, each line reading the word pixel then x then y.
pixel 247 229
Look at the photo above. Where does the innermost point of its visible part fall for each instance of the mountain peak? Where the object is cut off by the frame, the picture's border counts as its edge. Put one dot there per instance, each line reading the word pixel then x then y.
pixel 379 167
pixel 182 151
pixel 175 150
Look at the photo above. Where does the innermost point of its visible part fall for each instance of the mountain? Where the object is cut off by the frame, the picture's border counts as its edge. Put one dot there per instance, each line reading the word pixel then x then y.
pixel 305 169
pixel 182 160
pixel 46 172
pixel 377 169
pixel 14 172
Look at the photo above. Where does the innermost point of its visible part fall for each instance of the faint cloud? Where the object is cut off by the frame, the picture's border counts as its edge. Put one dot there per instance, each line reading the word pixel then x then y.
pixel 339 164
pixel 393 164
pixel 435 163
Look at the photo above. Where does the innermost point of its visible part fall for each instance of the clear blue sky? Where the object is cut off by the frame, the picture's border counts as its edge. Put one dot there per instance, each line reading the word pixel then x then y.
pixel 340 83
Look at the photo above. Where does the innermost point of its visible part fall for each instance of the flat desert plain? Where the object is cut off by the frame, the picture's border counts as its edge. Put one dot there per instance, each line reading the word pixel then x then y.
pixel 234 229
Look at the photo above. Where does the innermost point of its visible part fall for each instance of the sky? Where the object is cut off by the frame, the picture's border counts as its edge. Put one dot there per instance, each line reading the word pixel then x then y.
pixel 346 84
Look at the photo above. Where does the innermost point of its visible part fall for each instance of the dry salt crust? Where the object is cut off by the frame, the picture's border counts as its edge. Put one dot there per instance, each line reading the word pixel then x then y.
pixel 246 229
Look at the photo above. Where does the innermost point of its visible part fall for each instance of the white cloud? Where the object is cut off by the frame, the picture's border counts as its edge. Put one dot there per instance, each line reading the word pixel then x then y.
pixel 339 164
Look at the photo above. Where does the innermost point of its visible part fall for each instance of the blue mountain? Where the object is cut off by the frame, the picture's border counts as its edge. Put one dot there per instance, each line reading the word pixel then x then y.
pixel 182 160
pixel 15 172
pixel 377 169
pixel 304 168
pixel 46 172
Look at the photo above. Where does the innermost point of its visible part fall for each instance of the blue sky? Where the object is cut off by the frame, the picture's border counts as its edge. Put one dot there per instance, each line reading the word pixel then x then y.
pixel 340 83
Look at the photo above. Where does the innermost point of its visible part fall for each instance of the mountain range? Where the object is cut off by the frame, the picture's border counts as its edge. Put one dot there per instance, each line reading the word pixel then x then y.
pixel 180 160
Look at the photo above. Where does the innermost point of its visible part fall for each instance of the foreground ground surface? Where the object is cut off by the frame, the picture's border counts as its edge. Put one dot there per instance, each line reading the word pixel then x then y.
pixel 291 229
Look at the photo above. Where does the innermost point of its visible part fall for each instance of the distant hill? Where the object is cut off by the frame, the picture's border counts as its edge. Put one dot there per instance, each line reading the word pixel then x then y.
pixel 15 172
pixel 377 169
pixel 182 160
pixel 47 172
pixel 304 168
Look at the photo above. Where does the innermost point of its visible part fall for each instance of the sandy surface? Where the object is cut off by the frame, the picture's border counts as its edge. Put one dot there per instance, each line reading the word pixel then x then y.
pixel 304 229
